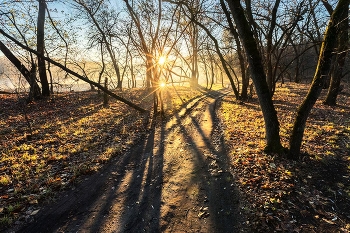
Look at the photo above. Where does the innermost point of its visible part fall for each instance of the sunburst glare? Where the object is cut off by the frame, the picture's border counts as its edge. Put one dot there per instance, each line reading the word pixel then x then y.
pixel 161 60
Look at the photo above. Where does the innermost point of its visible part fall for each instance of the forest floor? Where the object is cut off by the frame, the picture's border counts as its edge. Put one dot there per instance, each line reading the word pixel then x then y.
pixel 72 165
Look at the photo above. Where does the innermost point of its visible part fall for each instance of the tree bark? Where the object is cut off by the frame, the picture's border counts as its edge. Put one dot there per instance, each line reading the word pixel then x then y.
pixel 322 70
pixel 273 143
pixel 336 75
pixel 41 48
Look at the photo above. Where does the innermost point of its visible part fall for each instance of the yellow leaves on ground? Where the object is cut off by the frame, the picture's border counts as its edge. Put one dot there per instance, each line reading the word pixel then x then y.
pixel 71 135
pixel 278 193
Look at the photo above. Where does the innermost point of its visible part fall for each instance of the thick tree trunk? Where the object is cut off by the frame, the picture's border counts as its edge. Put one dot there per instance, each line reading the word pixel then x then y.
pixel 41 48
pixel 34 87
pixel 258 76
pixel 337 73
pixel 322 70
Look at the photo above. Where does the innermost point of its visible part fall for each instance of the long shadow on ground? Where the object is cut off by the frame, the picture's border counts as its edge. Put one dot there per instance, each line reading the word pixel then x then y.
pixel 86 207
pixel 218 192
pixel 127 195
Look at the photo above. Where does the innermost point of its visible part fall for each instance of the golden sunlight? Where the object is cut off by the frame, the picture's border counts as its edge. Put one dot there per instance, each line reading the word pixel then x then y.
pixel 161 60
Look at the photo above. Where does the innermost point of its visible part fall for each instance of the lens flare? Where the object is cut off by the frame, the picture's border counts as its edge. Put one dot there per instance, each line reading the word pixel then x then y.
pixel 161 60
pixel 162 84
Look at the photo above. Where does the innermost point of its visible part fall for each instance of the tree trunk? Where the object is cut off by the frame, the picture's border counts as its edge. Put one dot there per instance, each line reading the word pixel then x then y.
pixel 269 49
pixel 51 78
pixel 337 73
pixel 194 68
pixel 34 87
pixel 322 70
pixel 115 64
pixel 206 73
pixel 41 48
pixel 258 77
pixel 212 72
pixel 100 74
pixel 297 65
pixel 105 96
pixel 133 79
pixel 245 78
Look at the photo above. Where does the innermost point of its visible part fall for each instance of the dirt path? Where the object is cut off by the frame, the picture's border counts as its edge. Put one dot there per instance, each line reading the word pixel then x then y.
pixel 175 180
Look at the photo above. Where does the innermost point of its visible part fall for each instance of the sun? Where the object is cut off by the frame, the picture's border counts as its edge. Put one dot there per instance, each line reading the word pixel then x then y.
pixel 161 60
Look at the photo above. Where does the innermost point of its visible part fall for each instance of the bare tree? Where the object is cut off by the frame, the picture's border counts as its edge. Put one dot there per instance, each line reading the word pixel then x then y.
pixel 339 61
pixel 86 79
pixel 28 75
pixel 258 76
pixel 239 52
pixel 99 14
pixel 323 67
pixel 41 48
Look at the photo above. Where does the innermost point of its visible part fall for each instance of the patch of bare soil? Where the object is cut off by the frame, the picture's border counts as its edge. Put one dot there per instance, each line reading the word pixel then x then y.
pixel 176 179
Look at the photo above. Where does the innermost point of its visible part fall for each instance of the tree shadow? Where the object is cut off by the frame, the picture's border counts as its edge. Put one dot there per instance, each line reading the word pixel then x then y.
pixel 143 202
pixel 86 207
pixel 133 182
pixel 212 174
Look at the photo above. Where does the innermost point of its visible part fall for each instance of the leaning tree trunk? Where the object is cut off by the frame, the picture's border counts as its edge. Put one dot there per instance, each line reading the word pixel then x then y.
pixel 322 70
pixel 35 91
pixel 337 73
pixel 85 79
pixel 258 76
pixel 221 57
pixel 41 48
pixel 245 78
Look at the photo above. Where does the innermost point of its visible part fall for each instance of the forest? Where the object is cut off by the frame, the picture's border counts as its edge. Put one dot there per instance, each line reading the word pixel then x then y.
pixel 174 116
